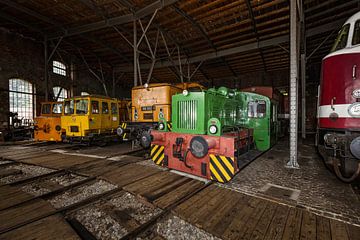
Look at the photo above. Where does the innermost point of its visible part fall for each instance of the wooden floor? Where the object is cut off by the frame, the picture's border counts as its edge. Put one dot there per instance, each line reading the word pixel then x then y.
pixel 224 213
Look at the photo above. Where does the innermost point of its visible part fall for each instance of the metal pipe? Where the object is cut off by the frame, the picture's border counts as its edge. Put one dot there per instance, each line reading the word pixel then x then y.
pixel 46 76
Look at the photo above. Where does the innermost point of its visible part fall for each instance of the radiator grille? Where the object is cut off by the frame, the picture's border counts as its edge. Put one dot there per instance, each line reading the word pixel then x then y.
pixel 148 116
pixel 187 114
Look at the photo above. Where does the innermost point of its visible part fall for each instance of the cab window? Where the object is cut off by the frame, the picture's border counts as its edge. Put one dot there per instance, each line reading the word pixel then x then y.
pixel 114 108
pixel 69 107
pixel 46 109
pixel 95 107
pixel 257 109
pixel 57 108
pixel 105 107
pixel 81 106
pixel 341 39
pixel 356 36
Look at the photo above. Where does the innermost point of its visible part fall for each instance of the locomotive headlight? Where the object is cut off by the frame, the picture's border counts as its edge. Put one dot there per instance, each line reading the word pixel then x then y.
pixel 199 147
pixel 161 126
pixel 185 92
pixel 212 129
pixel 355 147
pixel 354 110
pixel 356 93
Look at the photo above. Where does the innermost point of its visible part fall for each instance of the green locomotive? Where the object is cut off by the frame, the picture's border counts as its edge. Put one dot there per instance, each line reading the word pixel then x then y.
pixel 211 130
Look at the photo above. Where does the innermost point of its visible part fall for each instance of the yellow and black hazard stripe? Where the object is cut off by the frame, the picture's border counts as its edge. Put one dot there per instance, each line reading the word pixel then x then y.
pixel 123 126
pixel 169 126
pixel 221 168
pixel 157 154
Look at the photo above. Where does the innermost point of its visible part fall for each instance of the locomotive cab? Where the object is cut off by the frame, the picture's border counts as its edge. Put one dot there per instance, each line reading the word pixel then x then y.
pixel 47 126
pixel 338 135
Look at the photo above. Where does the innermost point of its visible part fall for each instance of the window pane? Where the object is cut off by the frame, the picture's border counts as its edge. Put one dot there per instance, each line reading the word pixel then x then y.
pixel 256 109
pixel 63 94
pixel 21 99
pixel 356 37
pixel 57 108
pixel 59 68
pixel 69 107
pixel 94 107
pixel 341 39
pixel 105 107
pixel 46 109
pixel 81 106
pixel 114 108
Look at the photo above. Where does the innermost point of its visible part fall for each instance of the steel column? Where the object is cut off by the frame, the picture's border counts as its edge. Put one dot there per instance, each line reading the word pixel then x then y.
pixel 292 163
pixel 135 54
pixel 46 66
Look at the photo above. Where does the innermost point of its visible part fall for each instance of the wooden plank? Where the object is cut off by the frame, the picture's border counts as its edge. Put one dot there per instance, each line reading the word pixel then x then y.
pixel 11 196
pixel 293 224
pixel 308 226
pixel 52 227
pixel 322 228
pixel 128 174
pixel 22 213
pixel 338 230
pixel 277 225
pixel 203 212
pixel 216 222
pixel 8 172
pixel 263 224
pixel 173 196
pixel 248 228
pixel 186 209
pixel 353 232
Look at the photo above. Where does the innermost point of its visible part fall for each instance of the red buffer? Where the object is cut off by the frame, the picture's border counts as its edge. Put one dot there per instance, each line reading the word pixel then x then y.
pixel 211 157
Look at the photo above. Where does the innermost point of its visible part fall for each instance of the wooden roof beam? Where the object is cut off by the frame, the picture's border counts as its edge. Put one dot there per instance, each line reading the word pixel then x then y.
pixel 146 11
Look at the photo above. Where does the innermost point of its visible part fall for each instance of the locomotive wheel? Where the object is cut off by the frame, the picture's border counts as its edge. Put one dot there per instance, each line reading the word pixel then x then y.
pixel 339 173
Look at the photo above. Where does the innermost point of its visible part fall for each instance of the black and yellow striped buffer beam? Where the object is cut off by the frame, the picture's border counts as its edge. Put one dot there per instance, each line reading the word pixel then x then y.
pixel 169 126
pixel 157 154
pixel 221 168
pixel 123 126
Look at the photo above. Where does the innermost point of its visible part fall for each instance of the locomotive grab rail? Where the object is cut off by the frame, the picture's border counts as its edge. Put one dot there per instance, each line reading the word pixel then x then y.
pixel 332 103
pixel 354 72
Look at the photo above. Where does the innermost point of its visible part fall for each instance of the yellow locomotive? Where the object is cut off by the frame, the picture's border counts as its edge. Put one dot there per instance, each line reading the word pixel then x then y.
pixel 150 103
pixel 47 127
pixel 92 118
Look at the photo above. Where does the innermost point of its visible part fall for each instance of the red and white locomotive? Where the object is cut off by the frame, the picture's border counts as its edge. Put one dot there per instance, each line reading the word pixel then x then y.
pixel 338 135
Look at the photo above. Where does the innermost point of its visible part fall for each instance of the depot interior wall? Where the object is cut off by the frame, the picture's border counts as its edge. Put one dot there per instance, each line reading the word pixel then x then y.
pixel 24 58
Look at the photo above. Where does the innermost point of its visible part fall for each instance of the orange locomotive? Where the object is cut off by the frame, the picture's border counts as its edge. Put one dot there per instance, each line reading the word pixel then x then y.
pixel 47 127
pixel 150 103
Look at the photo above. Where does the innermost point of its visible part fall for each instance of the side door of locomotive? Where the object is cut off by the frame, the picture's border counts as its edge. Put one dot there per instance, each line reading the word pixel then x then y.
pixel 105 115
pixel 95 116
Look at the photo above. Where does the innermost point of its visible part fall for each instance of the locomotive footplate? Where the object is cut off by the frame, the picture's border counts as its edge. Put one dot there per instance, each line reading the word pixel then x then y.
pixel 210 157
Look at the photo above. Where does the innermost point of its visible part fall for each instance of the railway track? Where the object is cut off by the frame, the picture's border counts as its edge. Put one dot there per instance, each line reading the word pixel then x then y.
pixel 120 196
pixel 93 194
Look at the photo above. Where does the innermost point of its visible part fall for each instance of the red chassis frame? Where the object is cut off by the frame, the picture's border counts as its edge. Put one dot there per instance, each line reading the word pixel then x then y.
pixel 219 162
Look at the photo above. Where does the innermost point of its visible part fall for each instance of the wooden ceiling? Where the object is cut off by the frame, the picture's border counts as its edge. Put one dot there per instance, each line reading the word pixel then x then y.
pixel 228 37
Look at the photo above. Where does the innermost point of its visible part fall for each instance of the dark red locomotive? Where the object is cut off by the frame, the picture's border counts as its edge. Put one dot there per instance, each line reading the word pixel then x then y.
pixel 338 136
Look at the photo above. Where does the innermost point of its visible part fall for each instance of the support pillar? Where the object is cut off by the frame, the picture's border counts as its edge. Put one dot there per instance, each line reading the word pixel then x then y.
pixel 292 163
pixel 46 68
pixel 135 55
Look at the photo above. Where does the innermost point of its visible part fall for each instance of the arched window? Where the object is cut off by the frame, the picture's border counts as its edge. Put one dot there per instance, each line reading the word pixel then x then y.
pixel 59 68
pixel 21 98
pixel 60 93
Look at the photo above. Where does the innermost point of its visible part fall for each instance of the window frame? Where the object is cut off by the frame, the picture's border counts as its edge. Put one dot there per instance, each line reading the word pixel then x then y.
pixel 73 109
pixel 92 108
pixel 262 102
pixel 336 43
pixel 102 107
pixel 21 89
pixel 59 68
pixel 353 36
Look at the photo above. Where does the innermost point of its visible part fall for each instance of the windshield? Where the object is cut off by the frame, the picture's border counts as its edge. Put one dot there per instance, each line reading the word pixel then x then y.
pixel 257 109
pixel 57 108
pixel 81 106
pixel 356 37
pixel 46 109
pixel 69 107
pixel 341 39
